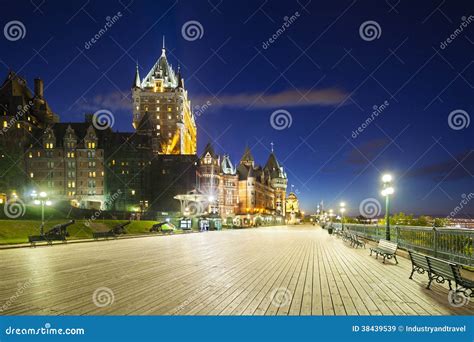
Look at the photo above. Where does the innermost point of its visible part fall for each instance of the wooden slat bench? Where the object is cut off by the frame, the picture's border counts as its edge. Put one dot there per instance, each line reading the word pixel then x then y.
pixel 33 239
pixel 105 235
pixel 356 241
pixel 386 249
pixel 419 263
pixel 463 285
pixel 440 271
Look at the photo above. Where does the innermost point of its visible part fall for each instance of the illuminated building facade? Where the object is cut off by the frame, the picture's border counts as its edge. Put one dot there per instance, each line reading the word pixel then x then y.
pixel 244 195
pixel 67 161
pixel 162 110
pixel 292 208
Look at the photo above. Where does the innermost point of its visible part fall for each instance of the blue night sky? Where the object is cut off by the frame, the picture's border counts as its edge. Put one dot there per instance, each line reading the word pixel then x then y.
pixel 319 70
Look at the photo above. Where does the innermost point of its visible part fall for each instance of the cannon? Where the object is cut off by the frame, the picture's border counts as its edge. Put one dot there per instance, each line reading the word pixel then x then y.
pixel 157 227
pixel 59 230
pixel 56 233
pixel 120 228
pixel 112 233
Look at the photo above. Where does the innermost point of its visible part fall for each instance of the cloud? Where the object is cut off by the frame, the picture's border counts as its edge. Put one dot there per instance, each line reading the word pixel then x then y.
pixel 448 169
pixel 286 98
pixel 114 101
pixel 120 101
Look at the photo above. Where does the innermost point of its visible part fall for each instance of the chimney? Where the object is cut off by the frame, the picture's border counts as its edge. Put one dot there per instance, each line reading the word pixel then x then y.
pixel 39 88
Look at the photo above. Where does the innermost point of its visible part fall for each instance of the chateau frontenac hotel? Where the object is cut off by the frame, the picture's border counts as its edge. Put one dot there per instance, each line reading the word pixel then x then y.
pixel 153 170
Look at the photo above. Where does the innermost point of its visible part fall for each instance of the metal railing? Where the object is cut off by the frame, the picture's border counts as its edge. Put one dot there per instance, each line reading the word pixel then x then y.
pixel 451 244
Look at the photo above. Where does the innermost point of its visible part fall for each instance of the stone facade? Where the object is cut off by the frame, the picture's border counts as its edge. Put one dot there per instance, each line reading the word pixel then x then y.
pixel 244 195
pixel 162 111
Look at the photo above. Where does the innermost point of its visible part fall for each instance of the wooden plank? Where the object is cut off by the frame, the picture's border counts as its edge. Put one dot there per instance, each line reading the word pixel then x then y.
pixel 228 272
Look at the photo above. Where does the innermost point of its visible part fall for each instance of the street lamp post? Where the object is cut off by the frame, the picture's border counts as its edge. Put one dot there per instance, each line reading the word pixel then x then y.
pixel 40 199
pixel 386 192
pixel 342 209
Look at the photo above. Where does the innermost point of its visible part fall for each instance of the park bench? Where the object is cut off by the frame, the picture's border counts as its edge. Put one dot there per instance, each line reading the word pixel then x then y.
pixel 105 235
pixel 386 249
pixel 419 263
pixel 356 241
pixel 463 285
pixel 440 271
pixel 56 233
pixel 353 239
pixel 346 236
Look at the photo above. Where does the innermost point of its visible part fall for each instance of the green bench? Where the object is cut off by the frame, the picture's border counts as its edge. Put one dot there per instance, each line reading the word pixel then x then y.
pixel 105 235
pixel 33 239
pixel 463 285
pixel 386 249
pixel 441 271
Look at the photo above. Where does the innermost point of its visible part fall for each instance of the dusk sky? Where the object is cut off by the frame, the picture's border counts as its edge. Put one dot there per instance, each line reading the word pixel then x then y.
pixel 324 70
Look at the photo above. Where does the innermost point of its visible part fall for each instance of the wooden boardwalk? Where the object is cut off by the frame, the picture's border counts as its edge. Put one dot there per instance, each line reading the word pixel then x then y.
pixel 265 271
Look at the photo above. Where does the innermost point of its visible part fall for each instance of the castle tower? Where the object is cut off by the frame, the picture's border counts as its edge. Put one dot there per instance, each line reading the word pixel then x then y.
pixel 279 182
pixel 208 171
pixel 162 110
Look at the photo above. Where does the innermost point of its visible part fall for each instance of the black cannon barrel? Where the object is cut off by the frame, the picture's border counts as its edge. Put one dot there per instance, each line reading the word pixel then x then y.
pixel 60 229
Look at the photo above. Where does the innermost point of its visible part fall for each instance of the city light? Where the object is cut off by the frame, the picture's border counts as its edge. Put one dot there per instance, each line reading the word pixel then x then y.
pixel 387 190
pixel 41 201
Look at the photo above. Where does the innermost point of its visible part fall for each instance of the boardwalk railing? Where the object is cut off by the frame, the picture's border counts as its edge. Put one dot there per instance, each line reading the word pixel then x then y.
pixel 446 243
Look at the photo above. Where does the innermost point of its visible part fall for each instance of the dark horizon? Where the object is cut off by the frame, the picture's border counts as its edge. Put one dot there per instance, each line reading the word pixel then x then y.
pixel 319 70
